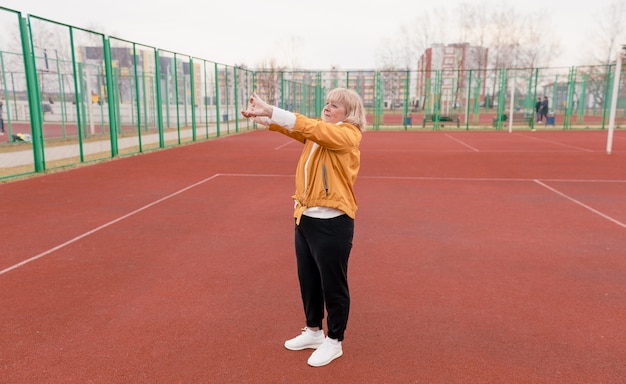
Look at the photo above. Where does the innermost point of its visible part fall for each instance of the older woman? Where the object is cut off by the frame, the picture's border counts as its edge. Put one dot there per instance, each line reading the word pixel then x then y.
pixel 325 207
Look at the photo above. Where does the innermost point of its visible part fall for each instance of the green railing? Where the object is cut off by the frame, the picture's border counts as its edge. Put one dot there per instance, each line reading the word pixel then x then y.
pixel 71 96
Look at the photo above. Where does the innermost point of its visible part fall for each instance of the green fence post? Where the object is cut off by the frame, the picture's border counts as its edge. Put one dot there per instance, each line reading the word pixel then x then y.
pixel 319 94
pixel 34 98
pixel 378 100
pixel 227 99
pixel 153 97
pixel 555 89
pixel 137 97
pixel 438 96
pixel 206 101
pixel 185 120
pixel 467 102
pixel 118 100
pixel 78 91
pixel 108 64
pixel 282 90
pixel 145 96
pixel 249 84
pixel 569 104
pixel 192 89
pixel 159 101
pixel 176 96
pixel 217 100
pixel 536 82
pixel 166 82
pixel 501 99
pixel 406 100
pixel 236 96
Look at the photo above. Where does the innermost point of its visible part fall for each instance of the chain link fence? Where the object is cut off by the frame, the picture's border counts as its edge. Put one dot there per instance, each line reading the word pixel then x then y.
pixel 70 96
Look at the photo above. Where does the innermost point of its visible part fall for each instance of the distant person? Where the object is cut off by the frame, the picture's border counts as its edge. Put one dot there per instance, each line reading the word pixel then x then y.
pixel 538 109
pixel 544 108
pixel 324 211
pixel 1 120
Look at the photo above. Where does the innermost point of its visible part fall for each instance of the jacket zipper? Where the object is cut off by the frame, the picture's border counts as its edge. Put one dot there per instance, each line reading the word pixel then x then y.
pixel 325 179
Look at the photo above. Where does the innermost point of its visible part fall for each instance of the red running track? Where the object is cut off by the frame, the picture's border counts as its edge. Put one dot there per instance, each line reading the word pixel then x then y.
pixel 479 257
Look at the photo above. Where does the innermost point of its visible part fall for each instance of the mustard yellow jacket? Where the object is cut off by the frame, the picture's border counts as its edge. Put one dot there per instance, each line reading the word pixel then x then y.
pixel 332 167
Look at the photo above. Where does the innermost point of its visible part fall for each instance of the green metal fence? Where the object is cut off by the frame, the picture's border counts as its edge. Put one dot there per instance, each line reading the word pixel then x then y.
pixel 579 97
pixel 71 96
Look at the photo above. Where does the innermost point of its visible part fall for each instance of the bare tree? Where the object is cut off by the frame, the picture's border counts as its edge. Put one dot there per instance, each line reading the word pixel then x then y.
pixel 505 36
pixel 535 50
pixel 407 52
pixel 291 51
pixel 513 37
pixel 473 21
pixel 403 50
pixel 268 80
pixel 609 32
pixel 431 27
pixel 388 54
pixel 51 50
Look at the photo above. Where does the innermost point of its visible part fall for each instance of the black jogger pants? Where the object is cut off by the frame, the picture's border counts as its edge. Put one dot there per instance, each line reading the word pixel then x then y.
pixel 322 251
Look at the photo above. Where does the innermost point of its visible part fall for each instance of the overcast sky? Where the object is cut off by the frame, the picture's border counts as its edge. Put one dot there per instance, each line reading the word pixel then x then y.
pixel 316 35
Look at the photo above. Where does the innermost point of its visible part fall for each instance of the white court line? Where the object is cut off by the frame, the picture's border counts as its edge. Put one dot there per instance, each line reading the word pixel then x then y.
pixel 429 178
pixel 462 143
pixel 557 143
pixel 284 145
pixel 77 238
pixel 255 175
pixel 609 218
pixel 585 180
pixel 103 226
pixel 426 178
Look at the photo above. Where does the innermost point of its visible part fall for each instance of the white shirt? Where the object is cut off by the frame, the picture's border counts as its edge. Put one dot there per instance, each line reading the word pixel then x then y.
pixel 287 120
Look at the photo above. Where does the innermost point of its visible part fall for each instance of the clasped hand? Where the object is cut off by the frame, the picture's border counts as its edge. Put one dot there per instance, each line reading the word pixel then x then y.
pixel 258 110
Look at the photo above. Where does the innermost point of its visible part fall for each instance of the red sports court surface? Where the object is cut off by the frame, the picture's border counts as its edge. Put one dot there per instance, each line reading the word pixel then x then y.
pixel 479 257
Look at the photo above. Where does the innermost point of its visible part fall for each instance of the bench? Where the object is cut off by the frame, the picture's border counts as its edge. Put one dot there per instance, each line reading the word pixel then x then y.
pixel 518 118
pixel 442 119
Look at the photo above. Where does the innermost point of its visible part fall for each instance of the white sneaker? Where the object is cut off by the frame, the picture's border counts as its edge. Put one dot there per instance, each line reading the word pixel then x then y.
pixel 307 339
pixel 327 352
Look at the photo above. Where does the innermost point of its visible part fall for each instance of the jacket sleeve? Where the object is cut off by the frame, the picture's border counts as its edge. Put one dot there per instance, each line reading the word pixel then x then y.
pixel 294 135
pixel 335 137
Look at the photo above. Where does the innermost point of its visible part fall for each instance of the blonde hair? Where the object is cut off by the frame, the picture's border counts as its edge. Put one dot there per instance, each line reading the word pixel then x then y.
pixel 355 111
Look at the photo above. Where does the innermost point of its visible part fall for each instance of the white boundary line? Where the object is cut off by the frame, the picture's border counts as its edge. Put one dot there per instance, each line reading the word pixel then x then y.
pixel 462 143
pixel 485 179
pixel 103 226
pixel 283 145
pixel 110 223
pixel 609 218
pixel 557 143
